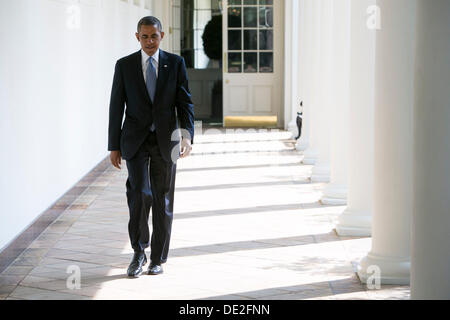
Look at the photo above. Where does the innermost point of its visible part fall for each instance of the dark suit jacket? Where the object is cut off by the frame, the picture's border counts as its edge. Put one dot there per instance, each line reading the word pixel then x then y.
pixel 173 100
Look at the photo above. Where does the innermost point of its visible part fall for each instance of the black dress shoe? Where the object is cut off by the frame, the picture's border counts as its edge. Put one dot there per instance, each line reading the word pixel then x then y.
pixel 135 268
pixel 155 269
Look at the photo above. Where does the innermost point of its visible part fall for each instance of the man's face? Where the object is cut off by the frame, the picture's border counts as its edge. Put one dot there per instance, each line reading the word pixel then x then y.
pixel 150 38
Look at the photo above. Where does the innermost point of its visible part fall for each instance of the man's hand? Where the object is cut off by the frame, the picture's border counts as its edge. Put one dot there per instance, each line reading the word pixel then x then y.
pixel 186 148
pixel 116 159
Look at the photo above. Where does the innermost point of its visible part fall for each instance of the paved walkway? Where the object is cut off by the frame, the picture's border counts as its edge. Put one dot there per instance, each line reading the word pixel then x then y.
pixel 248 225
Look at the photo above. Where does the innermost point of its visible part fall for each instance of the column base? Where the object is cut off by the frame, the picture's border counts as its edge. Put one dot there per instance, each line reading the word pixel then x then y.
pixel 302 144
pixel 354 224
pixel 335 194
pixel 292 128
pixel 321 173
pixel 395 271
pixel 310 157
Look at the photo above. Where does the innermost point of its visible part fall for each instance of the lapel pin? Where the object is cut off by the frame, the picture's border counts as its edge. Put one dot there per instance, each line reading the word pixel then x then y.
pixel 165 66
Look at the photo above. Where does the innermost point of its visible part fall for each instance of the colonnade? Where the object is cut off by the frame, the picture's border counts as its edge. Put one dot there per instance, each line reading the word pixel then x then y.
pixel 374 79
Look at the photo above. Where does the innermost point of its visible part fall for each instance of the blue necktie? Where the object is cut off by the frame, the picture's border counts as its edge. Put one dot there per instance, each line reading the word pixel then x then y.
pixel 151 83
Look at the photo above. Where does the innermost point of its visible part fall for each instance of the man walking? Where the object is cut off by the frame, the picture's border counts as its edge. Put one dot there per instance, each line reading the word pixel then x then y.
pixel 154 86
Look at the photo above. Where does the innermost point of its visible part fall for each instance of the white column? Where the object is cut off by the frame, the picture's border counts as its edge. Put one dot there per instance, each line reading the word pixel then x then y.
pixel 393 149
pixel 304 70
pixel 356 220
pixel 335 193
pixel 324 105
pixel 430 259
pixel 312 81
pixel 291 65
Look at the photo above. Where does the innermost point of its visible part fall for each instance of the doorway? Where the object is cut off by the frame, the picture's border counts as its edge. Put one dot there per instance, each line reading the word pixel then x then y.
pixel 253 52
pixel 234 57
pixel 198 36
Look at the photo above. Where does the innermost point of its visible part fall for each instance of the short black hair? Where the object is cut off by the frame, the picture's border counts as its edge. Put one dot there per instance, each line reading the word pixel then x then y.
pixel 149 21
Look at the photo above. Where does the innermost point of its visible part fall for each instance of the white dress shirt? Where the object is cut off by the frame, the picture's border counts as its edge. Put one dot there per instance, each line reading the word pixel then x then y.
pixel 145 62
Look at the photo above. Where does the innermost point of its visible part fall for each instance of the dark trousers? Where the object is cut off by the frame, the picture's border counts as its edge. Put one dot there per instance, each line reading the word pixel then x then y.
pixel 151 184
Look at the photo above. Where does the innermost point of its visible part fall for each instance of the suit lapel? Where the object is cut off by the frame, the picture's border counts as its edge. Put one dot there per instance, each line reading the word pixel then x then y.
pixel 163 72
pixel 140 76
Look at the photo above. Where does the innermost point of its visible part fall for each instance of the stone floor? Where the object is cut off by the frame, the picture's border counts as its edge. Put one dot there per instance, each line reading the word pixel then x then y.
pixel 248 225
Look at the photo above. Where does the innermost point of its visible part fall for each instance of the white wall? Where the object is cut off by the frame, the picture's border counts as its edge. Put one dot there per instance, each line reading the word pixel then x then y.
pixel 162 9
pixel 55 84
